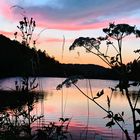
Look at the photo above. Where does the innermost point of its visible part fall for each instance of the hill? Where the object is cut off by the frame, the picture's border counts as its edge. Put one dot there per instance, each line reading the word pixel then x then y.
pixel 19 60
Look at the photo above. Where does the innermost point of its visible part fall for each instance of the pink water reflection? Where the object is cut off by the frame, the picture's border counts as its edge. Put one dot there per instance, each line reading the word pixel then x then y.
pixel 76 106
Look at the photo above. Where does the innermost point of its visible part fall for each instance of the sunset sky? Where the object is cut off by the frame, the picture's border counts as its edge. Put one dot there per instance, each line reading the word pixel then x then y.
pixel 71 19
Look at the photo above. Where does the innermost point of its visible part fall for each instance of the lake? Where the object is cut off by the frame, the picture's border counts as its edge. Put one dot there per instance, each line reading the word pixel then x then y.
pixel 87 119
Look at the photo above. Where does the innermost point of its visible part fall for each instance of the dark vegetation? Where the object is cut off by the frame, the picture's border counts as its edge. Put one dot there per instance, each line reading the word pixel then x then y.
pixel 13 99
pixel 16 59
pixel 125 72
pixel 16 118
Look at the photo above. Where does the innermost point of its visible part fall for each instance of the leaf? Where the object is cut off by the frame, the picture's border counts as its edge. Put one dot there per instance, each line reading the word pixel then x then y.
pixel 59 87
pixel 99 94
pixel 108 101
pixel 138 110
pixel 137 130
pixel 86 42
pixel 137 51
pixel 102 38
pixel 118 118
pixel 110 124
pixel 62 119
pixel 135 83
pixel 68 84
pixel 95 98
pixel 108 116
pixel 111 25
pixel 112 89
pixel 137 33
pixel 66 119
pixel 106 30
pixel 21 22
pixel 122 113
pixel 109 42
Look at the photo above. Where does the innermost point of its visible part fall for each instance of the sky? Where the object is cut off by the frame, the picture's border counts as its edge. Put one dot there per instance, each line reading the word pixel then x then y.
pixel 70 19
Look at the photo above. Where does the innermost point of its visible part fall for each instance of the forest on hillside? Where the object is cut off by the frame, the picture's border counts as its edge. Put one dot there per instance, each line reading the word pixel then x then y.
pixel 17 59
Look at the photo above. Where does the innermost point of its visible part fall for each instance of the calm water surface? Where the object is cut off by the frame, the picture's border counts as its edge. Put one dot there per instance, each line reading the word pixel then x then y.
pixel 86 116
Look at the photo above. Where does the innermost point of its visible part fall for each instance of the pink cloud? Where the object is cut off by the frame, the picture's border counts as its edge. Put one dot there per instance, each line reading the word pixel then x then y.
pixel 99 25
pixel 44 20
pixel 75 15
pixel 70 26
pixel 5 9
pixel 76 25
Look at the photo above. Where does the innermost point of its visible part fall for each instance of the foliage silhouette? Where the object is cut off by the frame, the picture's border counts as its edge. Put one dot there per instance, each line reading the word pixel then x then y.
pixel 16 123
pixel 115 32
pixel 20 59
pixel 54 131
pixel 15 60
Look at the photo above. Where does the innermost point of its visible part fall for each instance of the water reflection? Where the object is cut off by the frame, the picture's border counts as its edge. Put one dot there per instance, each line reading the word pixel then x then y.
pixel 86 117
pixel 133 95
pixel 14 99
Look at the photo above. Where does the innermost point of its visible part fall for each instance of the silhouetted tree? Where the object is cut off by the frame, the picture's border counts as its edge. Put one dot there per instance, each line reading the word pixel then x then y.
pixel 115 32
